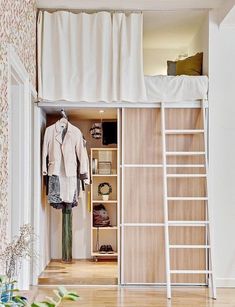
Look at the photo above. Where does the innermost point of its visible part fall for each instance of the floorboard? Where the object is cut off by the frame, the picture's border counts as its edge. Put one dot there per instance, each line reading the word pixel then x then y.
pixel 80 272
pixel 139 297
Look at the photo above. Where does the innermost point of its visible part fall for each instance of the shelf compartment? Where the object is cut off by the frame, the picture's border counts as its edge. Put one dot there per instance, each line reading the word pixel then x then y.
pixel 104 201
pixel 97 254
pixel 112 180
pixel 105 228
pixel 104 155
pixel 109 175
pixel 106 237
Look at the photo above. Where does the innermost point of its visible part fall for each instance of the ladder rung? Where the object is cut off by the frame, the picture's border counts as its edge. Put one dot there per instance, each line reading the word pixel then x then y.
pixel 186 166
pixel 184 131
pixel 190 272
pixel 188 223
pixel 187 198
pixel 186 175
pixel 185 153
pixel 190 246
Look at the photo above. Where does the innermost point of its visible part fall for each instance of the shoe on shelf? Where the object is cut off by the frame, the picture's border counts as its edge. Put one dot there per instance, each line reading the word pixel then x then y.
pixel 102 249
pixel 109 249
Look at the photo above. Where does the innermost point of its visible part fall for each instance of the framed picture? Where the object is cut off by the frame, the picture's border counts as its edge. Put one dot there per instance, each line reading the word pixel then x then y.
pixel 105 168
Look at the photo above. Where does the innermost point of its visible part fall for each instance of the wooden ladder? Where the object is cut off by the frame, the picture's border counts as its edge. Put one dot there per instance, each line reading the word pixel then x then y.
pixel 209 270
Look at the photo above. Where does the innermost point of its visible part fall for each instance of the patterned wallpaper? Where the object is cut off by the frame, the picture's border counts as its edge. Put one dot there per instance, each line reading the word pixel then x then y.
pixel 17 27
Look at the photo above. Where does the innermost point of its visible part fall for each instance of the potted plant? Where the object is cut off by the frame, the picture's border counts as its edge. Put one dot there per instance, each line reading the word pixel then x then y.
pixel 62 294
pixel 105 189
pixel 11 258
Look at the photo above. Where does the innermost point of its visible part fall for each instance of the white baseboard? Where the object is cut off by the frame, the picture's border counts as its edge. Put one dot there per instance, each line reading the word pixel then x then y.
pixel 225 282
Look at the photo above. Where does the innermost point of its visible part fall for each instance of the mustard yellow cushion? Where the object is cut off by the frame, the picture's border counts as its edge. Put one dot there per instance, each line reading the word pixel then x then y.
pixel 191 66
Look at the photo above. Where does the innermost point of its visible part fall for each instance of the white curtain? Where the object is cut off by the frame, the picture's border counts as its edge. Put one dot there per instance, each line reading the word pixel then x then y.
pixel 91 57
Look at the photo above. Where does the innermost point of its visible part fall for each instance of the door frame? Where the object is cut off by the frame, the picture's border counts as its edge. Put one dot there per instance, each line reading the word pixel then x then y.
pixel 17 70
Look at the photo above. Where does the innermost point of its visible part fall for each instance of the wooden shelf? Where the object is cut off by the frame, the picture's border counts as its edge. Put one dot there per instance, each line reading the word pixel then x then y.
pixel 97 254
pixel 105 228
pixel 99 175
pixel 107 235
pixel 104 201
pixel 106 149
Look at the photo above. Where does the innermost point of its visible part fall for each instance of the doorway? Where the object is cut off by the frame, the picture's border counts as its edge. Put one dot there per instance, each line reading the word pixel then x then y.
pixel 91 265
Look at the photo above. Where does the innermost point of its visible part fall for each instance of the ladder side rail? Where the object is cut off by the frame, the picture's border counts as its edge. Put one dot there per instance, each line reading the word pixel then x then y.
pixel 209 215
pixel 165 203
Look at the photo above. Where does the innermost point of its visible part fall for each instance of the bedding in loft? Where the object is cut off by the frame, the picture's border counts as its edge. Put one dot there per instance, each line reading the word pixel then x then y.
pixel 176 88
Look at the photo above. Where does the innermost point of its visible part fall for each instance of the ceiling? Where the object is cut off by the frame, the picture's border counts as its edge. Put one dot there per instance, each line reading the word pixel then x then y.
pixel 130 4
pixel 88 113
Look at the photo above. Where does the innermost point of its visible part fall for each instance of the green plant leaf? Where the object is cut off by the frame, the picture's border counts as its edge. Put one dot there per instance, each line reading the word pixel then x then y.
pixel 2 278
pixel 70 297
pixel 73 294
pixel 62 291
pixel 51 300
pixel 20 299
pixel 57 293
pixel 42 304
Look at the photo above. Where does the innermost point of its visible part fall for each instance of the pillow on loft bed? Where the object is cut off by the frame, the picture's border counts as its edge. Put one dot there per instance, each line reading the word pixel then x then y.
pixel 191 66
pixel 171 68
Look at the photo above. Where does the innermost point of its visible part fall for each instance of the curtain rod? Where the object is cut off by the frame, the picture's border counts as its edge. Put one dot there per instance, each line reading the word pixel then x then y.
pixel 122 10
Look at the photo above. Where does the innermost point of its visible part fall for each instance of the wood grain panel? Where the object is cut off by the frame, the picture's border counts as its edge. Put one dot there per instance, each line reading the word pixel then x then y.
pixel 143 143
pixel 187 235
pixel 143 195
pixel 79 272
pixel 138 297
pixel 185 160
pixel 188 259
pixel 191 187
pixel 185 142
pixel 144 255
pixel 184 119
pixel 186 210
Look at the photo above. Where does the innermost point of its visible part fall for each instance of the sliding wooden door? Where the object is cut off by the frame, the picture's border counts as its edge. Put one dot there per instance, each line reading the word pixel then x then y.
pixel 141 216
pixel 143 255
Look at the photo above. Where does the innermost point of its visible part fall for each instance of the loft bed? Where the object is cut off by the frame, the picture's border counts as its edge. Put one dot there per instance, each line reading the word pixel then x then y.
pixel 175 91
pixel 176 88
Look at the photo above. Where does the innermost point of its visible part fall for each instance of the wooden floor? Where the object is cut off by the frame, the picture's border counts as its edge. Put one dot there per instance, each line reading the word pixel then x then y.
pixel 140 297
pixel 80 272
pixel 89 278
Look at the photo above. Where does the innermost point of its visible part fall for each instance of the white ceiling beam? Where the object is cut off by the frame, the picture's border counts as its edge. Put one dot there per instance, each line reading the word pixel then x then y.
pixel 129 4
pixel 227 13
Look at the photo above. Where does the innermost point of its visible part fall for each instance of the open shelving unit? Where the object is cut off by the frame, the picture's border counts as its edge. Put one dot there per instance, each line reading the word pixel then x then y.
pixel 104 235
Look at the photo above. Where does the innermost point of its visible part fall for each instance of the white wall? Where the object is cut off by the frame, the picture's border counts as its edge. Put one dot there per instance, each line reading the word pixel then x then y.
pixel 155 60
pixel 222 147
pixel 43 225
pixel 81 231
pixel 200 43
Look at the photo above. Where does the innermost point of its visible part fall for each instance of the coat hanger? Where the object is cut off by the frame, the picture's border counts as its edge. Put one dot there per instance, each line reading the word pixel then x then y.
pixel 64 120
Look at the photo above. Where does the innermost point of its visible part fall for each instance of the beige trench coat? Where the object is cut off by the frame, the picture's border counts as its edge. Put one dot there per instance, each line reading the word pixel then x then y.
pixel 71 150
